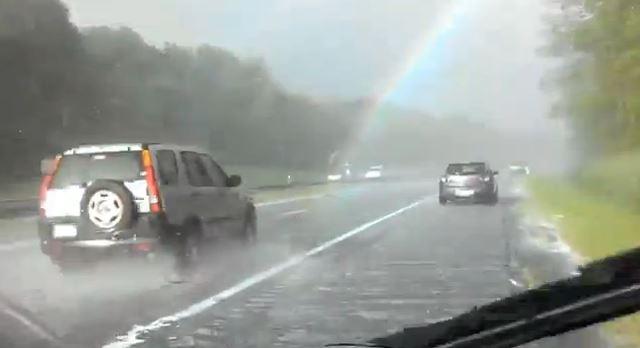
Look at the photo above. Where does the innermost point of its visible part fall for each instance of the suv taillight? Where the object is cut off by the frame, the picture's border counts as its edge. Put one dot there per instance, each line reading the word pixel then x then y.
pixel 152 184
pixel 45 183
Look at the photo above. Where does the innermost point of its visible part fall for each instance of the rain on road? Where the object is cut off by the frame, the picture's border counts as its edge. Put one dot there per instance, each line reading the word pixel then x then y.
pixel 359 262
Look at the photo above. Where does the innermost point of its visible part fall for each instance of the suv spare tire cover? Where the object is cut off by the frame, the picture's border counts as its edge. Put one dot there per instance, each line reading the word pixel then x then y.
pixel 107 205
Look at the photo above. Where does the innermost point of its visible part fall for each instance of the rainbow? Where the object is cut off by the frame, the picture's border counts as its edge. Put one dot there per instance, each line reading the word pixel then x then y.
pixel 418 60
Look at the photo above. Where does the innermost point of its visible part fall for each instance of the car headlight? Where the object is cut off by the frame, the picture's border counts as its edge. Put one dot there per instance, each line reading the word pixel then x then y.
pixel 486 178
pixel 372 174
pixel 443 179
pixel 334 177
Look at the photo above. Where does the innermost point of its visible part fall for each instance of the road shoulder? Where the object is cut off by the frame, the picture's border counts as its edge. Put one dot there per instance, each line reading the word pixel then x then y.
pixel 586 227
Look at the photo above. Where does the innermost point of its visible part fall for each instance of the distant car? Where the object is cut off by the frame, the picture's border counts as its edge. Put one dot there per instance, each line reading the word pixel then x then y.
pixel 137 198
pixel 343 173
pixel 519 170
pixel 518 173
pixel 334 177
pixel 473 181
pixel 374 172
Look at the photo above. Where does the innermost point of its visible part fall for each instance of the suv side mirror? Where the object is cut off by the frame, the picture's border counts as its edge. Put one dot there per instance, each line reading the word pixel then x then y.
pixel 234 181
pixel 495 172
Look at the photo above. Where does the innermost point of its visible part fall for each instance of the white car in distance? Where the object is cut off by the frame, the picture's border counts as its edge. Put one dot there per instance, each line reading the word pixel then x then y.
pixel 374 172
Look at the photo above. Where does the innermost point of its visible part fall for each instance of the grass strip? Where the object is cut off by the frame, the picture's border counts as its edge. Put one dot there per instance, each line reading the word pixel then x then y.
pixel 594 227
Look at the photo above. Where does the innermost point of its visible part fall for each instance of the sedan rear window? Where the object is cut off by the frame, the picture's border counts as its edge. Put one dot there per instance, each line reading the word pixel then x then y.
pixel 85 168
pixel 466 168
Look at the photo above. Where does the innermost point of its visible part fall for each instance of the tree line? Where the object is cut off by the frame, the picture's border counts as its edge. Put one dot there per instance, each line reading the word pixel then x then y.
pixel 61 86
pixel 599 83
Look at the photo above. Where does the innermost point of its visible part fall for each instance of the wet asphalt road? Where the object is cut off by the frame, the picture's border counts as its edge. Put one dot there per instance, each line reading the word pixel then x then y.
pixel 399 259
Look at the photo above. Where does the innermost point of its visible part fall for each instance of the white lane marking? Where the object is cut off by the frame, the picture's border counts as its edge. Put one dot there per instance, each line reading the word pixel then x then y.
pixel 289 200
pixel 294 212
pixel 131 337
pixel 18 245
pixel 35 328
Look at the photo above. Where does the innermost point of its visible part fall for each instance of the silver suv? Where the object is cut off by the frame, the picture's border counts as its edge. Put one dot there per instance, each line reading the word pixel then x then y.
pixel 136 199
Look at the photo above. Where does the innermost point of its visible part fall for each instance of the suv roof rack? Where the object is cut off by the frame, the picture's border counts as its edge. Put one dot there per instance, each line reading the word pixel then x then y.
pixel 99 148
pixel 470 162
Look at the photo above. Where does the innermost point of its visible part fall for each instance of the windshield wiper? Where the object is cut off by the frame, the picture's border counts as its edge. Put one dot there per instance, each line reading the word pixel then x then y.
pixel 366 345
pixel 604 290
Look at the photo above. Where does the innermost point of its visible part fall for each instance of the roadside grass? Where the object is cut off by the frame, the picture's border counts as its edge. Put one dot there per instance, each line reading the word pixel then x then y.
pixel 615 178
pixel 254 176
pixel 276 194
pixel 595 226
pixel 25 189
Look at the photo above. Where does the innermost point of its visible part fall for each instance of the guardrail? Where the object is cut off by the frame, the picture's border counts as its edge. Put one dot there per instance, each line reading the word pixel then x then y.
pixel 12 208
pixel 18 207
pixel 254 178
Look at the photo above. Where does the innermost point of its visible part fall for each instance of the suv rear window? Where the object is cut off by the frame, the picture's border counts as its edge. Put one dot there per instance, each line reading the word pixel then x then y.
pixel 85 168
pixel 466 168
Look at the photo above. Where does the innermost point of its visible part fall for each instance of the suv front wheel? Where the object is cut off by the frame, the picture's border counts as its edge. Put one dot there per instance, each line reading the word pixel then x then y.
pixel 250 232
pixel 188 248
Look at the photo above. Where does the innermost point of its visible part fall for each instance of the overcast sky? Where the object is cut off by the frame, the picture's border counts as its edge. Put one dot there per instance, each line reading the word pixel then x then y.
pixel 476 57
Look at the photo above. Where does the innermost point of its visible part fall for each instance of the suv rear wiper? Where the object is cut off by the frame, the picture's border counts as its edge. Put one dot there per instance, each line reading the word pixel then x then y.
pixel 604 290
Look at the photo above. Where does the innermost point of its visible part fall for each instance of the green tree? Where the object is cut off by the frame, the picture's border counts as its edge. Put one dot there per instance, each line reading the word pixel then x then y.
pixel 600 84
pixel 39 54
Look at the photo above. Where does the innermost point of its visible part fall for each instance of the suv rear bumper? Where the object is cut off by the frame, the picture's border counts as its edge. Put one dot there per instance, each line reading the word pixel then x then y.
pixel 147 235
pixel 87 251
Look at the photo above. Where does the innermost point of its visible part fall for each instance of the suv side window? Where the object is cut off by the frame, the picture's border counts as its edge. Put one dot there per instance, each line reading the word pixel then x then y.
pixel 196 170
pixel 167 167
pixel 217 174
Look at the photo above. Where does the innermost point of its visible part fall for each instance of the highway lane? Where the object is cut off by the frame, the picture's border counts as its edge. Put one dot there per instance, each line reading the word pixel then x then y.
pixel 425 264
pixel 361 261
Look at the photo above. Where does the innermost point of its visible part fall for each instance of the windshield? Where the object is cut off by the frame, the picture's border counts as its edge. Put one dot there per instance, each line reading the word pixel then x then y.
pixel 297 173
pixel 83 169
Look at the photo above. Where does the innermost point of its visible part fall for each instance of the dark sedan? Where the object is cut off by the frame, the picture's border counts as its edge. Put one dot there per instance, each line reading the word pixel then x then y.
pixel 473 181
